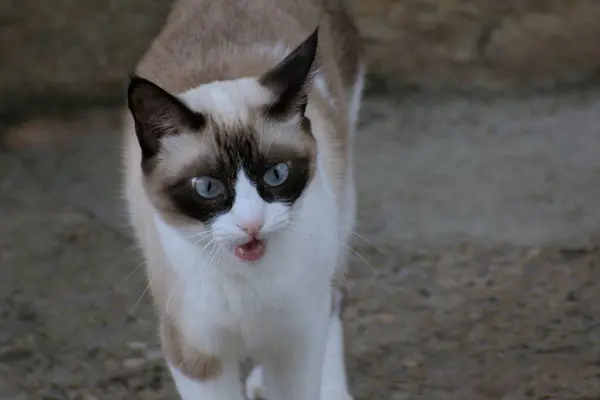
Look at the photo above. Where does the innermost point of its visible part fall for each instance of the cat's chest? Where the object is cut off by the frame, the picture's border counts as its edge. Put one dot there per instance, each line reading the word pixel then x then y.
pixel 243 311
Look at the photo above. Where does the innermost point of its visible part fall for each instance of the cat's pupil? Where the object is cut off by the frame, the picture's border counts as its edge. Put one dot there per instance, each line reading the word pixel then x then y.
pixel 208 186
pixel 276 173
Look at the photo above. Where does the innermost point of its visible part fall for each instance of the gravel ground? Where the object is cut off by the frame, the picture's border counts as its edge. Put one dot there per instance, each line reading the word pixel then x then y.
pixel 478 257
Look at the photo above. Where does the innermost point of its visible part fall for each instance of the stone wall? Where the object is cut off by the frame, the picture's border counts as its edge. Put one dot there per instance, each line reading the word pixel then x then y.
pixel 481 43
pixel 60 54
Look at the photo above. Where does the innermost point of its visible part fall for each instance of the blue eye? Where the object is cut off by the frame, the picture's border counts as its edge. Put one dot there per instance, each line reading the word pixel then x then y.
pixel 208 187
pixel 277 175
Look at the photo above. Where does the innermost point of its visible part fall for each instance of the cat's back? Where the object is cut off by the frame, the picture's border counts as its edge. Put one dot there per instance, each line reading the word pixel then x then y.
pixel 207 40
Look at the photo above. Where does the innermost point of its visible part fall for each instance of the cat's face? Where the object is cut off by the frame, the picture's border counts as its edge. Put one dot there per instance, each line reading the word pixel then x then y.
pixel 236 186
pixel 226 163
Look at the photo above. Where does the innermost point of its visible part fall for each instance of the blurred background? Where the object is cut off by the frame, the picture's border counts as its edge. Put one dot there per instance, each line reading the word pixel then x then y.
pixel 479 185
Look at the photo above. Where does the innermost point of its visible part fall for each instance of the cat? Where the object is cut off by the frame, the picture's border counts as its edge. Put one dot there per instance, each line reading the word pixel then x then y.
pixel 239 183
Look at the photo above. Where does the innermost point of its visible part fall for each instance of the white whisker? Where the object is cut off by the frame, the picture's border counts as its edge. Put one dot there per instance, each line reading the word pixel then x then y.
pixel 199 235
pixel 207 266
pixel 364 239
pixel 134 270
pixel 143 293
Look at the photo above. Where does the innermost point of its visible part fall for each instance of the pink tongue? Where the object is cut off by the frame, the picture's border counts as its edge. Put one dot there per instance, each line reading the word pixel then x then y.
pixel 251 251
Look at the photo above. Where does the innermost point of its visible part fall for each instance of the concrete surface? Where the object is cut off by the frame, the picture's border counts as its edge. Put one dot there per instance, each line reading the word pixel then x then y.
pixel 475 279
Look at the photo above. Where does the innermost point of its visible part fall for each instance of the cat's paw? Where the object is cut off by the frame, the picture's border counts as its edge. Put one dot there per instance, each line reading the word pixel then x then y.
pixel 254 384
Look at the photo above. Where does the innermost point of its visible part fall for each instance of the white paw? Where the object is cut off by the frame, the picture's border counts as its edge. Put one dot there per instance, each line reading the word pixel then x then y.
pixel 254 384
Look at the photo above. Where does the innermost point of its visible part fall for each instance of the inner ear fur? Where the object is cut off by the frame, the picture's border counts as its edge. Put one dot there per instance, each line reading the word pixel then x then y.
pixel 157 113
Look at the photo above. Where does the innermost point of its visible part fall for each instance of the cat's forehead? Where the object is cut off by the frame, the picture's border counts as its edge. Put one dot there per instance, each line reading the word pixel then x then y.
pixel 224 150
pixel 231 103
pixel 235 133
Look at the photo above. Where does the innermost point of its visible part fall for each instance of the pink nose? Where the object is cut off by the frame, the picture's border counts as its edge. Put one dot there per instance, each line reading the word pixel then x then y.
pixel 252 228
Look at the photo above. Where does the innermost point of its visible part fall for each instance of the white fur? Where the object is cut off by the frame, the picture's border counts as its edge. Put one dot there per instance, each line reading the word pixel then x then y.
pixel 334 385
pixel 178 151
pixel 228 101
pixel 321 85
pixel 356 98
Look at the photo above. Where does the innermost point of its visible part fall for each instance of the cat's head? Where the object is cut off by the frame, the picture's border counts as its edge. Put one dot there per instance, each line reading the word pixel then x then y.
pixel 227 162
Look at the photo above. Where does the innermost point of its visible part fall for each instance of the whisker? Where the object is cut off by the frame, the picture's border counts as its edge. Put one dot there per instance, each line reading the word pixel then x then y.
pixel 210 247
pixel 199 234
pixel 198 239
pixel 205 246
pixel 212 255
pixel 369 242
pixel 364 260
pixel 143 294
pixel 209 265
pixel 134 270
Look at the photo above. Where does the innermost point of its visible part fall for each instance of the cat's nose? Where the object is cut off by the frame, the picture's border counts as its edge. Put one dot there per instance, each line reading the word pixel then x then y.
pixel 252 228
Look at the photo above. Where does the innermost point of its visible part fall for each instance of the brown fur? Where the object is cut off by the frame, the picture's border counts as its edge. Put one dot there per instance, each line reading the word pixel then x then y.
pixel 191 362
pixel 202 37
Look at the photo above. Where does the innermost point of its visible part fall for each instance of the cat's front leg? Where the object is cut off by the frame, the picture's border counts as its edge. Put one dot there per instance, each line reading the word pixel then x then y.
pixel 292 370
pixel 200 375
pixel 226 385
pixel 334 383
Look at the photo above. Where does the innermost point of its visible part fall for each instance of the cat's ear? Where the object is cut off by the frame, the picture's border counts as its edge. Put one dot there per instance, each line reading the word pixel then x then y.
pixel 289 80
pixel 157 114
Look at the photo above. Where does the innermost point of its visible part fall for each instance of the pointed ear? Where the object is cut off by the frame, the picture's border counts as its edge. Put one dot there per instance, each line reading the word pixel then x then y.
pixel 156 114
pixel 289 80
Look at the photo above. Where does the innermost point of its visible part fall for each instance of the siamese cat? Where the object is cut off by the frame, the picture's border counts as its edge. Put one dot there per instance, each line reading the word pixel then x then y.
pixel 240 189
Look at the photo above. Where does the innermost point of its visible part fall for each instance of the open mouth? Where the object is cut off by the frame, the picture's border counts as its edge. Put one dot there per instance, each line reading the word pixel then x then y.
pixel 250 251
